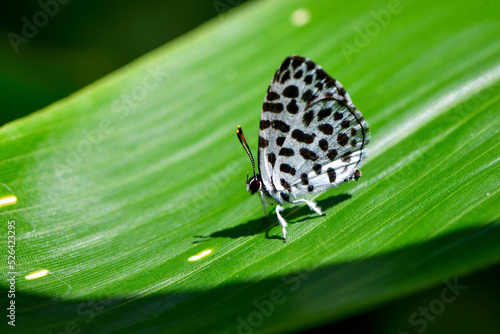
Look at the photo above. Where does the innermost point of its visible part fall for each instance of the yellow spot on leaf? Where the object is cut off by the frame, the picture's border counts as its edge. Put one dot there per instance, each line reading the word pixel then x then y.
pixel 8 200
pixel 37 274
pixel 200 255
pixel 300 17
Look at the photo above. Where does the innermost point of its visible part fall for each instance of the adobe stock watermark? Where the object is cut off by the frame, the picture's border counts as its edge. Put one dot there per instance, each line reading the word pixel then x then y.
pixel 121 107
pixel 86 312
pixel 11 262
pixel 417 157
pixel 265 308
pixel 371 29
pixel 31 26
pixel 471 104
pixel 210 190
pixel 421 318
pixel 222 6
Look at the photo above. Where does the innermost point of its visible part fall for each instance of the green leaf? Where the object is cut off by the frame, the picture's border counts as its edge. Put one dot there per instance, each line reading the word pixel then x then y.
pixel 120 184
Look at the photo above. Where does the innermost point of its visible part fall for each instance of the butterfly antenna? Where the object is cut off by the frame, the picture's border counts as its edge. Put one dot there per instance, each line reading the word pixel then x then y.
pixel 244 143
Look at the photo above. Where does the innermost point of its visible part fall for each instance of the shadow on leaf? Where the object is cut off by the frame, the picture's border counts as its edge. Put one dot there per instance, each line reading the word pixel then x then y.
pixel 257 226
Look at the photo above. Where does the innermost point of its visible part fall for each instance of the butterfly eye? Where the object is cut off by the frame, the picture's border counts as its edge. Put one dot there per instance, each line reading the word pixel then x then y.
pixel 357 174
pixel 254 185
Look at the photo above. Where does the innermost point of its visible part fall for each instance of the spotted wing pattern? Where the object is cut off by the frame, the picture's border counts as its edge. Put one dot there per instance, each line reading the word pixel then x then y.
pixel 311 136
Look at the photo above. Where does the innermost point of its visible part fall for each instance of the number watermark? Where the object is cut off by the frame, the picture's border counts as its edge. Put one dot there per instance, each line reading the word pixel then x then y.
pixel 11 265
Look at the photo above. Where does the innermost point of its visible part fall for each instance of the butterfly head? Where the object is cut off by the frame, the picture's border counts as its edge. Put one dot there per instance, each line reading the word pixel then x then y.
pixel 254 184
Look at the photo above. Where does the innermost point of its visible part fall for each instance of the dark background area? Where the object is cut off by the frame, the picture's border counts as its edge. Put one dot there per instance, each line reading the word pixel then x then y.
pixel 474 310
pixel 86 40
pixel 82 42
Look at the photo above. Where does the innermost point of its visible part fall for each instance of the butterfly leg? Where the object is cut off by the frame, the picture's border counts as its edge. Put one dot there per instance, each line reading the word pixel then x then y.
pixel 312 205
pixel 282 221
pixel 265 202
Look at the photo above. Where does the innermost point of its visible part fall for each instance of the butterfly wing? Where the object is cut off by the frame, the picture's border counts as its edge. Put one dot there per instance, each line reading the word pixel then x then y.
pixel 297 82
pixel 326 136
pixel 332 157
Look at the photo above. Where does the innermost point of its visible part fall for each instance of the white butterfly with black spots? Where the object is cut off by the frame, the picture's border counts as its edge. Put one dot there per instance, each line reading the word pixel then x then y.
pixel 311 137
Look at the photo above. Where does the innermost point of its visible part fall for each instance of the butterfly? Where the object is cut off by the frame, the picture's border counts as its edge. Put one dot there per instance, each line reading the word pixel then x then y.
pixel 311 137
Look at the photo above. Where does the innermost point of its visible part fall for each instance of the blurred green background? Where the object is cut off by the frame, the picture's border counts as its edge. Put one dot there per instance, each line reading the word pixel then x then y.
pixel 93 38
pixel 90 39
